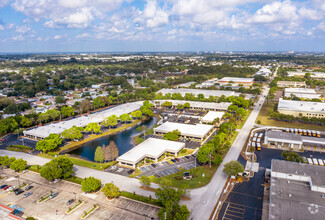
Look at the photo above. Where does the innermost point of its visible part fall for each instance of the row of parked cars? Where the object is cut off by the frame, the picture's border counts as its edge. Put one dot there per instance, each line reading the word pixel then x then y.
pixel 17 191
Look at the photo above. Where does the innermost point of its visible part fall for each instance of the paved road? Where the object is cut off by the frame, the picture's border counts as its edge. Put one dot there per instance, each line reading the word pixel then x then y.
pixel 123 182
pixel 204 199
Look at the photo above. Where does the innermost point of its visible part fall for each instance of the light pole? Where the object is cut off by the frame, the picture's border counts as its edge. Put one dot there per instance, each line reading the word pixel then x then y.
pixel 18 181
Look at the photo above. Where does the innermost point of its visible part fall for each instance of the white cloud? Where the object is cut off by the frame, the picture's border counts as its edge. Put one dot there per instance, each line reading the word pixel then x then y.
pixel 84 35
pixel 1 27
pixel 18 38
pixel 57 37
pixel 22 29
pixel 70 13
pixel 310 14
pixel 4 3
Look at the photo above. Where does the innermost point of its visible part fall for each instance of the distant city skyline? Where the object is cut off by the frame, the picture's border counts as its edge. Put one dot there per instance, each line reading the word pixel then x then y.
pixel 161 25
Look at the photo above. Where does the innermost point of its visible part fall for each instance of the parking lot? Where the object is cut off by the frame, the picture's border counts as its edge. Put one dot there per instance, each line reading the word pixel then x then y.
pixel 12 139
pixel 165 168
pixel 120 170
pixel 55 208
pixel 182 119
pixel 188 144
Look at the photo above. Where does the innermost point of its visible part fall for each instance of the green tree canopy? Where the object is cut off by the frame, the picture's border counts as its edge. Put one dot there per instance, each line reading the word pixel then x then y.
pixel 110 121
pixel 93 127
pixel 49 143
pixel 292 156
pixel 72 133
pixel 172 135
pixel 6 161
pixel 232 168
pixel 110 190
pixel 136 114
pixel 145 180
pixel 18 165
pixel 90 184
pixel 51 170
pixel 66 166
pixel 59 99
pixel 99 154
pixel 125 118
pixel 67 111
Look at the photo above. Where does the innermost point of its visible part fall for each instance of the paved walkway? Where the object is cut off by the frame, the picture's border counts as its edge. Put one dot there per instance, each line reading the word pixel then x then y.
pixel 123 182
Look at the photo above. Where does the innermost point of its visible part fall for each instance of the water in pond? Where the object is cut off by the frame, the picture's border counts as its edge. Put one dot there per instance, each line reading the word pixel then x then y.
pixel 123 141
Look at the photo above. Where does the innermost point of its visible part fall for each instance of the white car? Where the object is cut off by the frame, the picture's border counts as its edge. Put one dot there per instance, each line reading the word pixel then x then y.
pixel 10 188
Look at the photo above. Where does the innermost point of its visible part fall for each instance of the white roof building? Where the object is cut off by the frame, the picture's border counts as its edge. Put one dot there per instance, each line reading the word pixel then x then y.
pixel 152 148
pixel 196 92
pixel 211 116
pixel 237 80
pixel 185 85
pixel 198 131
pixel 305 108
pixel 301 93
pixel 58 127
pixel 222 106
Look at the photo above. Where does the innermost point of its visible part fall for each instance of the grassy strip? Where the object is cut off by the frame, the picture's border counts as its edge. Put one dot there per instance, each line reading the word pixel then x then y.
pixel 89 212
pixel 135 173
pixel 140 198
pixel 14 149
pixel 74 179
pixel 73 144
pixel 74 207
pixel 81 162
pixel 187 152
pixel 264 118
pixel 21 147
pixel 43 199
pixel 24 184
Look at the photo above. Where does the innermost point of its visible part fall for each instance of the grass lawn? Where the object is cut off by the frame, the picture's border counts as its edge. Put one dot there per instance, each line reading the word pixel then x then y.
pixel 187 152
pixel 74 144
pixel 81 162
pixel 265 120
pixel 201 176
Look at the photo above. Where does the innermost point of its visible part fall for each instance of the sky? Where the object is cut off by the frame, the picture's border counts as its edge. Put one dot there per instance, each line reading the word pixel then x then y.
pixel 161 25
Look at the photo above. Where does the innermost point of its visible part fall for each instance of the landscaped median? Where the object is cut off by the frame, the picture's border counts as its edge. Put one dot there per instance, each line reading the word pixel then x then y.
pixel 43 199
pixel 86 214
pixel 75 207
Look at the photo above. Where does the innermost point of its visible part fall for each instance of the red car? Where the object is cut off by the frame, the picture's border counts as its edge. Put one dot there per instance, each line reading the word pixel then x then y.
pixel 2 139
pixel 6 188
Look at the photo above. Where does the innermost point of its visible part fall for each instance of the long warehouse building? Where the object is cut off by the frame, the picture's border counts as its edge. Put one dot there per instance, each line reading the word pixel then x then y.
pixel 222 106
pixel 196 92
pixel 303 108
pixel 82 121
pixel 188 131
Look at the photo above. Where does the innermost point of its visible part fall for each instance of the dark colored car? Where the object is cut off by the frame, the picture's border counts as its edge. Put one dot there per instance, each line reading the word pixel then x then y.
pixel 177 159
pixel 19 191
pixel 28 194
pixel 28 188
pixel 130 171
pixel 173 160
pixel 187 157
pixel 3 186
pixel 70 201
pixel 153 165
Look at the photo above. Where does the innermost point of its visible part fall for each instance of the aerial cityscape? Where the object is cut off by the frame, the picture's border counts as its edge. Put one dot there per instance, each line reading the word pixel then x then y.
pixel 157 109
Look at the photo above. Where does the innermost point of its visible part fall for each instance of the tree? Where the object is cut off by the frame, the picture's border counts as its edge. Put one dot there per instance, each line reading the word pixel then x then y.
pixel 180 106
pixel 170 198
pixel 67 111
pixel 6 161
pixel 19 131
pixel 59 99
pixel 217 160
pixel 53 114
pixel 49 143
pixel 98 102
pixel 125 118
pixel 84 106
pixel 72 133
pixel 110 190
pixel 18 165
pixel 90 184
pixel 99 155
pixel 145 180
pixel 110 121
pixel 187 105
pixel 66 166
pixel 292 156
pixel 205 153
pixel 167 104
pixel 172 135
pixel 93 127
pixel 25 122
pixel 232 168
pixel 51 170
pixel 136 114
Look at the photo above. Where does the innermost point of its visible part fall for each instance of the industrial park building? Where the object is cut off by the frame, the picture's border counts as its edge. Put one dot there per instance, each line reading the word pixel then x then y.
pixel 188 131
pixel 152 149
pixel 82 121
pixel 196 92
pixel 296 191
pixel 302 108
pixel 222 106
pixel 301 93
pixel 290 84
pixel 236 80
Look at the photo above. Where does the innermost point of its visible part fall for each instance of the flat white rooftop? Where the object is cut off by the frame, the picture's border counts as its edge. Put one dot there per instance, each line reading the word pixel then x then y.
pixel 153 148
pixel 198 130
pixel 212 115
pixel 301 106
pixel 59 127
pixel 300 90
pixel 236 80
pixel 206 105
pixel 195 92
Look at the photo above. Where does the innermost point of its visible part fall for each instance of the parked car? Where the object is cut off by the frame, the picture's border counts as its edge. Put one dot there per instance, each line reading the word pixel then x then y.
pixel 173 160
pixel 130 171
pixel 153 165
pixel 53 195
pixel 2 140
pixel 187 157
pixel 28 188
pixel 56 180
pixel 10 188
pixel 28 194
pixel 3 186
pixel 177 159
pixel 18 191
pixel 70 201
